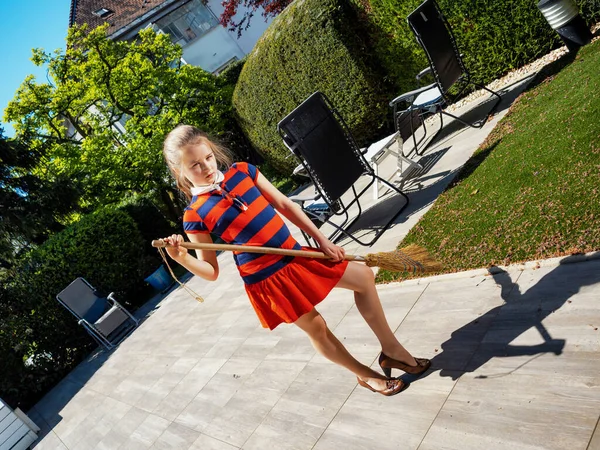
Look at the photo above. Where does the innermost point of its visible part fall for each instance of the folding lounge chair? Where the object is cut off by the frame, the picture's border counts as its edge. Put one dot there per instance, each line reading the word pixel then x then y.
pixel 319 137
pixel 102 317
pixel 445 64
pixel 376 153
pixel 405 122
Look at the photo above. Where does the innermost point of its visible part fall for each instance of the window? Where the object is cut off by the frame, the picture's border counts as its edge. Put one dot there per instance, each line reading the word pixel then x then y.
pixel 188 23
pixel 103 12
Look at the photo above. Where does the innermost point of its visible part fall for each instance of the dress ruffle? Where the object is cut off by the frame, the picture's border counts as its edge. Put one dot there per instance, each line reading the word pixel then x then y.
pixel 294 290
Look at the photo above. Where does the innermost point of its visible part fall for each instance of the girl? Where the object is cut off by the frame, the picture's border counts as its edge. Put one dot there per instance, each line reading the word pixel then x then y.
pixel 239 206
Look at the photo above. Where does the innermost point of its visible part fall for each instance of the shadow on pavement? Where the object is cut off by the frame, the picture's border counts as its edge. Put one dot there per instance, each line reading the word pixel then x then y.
pixel 466 350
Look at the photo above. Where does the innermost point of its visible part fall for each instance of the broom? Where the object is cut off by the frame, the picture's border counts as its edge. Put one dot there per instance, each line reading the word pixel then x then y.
pixel 411 259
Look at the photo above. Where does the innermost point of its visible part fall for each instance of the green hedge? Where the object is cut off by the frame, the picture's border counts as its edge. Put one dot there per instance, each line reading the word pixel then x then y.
pixel 151 223
pixel 494 37
pixel 313 45
pixel 106 249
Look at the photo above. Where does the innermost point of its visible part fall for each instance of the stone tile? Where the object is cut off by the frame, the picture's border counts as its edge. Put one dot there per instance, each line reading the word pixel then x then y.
pixel 367 421
pixel 120 432
pixel 131 389
pixel 157 393
pixel 176 436
pixel 205 442
pixel 517 411
pixel 53 403
pixel 449 321
pixel 305 409
pixel 225 347
pixel 77 410
pixel 146 433
pixel 182 394
pixel 296 348
pixel 595 441
pixel 244 412
pixel 90 431
pixel 258 345
pixel 210 401
pixel 50 441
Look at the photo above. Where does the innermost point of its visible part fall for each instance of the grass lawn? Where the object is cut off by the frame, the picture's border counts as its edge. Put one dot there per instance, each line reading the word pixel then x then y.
pixel 532 190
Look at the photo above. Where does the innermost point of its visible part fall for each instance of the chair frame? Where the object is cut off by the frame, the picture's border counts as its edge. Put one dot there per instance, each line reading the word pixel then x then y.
pixel 437 106
pixel 335 207
pixel 89 327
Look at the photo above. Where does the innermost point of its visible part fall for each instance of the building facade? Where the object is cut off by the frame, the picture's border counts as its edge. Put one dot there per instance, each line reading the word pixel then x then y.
pixel 193 24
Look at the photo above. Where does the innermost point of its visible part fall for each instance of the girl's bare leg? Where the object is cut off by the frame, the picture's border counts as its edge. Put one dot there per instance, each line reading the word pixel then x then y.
pixel 360 279
pixel 331 348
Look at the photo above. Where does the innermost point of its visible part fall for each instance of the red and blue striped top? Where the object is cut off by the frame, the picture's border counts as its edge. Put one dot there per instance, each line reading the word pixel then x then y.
pixel 239 214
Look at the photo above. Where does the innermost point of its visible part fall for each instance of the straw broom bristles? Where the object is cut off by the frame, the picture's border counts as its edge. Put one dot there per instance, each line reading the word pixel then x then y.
pixel 411 259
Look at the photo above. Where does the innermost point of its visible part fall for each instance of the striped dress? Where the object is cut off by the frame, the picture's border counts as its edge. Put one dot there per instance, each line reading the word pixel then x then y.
pixel 280 288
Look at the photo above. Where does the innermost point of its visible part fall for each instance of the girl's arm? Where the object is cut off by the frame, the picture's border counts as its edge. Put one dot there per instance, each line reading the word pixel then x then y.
pixel 205 265
pixel 293 212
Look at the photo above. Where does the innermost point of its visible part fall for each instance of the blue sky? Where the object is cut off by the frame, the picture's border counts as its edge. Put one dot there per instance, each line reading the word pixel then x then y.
pixel 26 25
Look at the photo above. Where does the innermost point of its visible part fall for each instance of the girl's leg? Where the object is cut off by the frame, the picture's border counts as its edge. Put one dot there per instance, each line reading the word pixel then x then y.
pixel 361 280
pixel 331 348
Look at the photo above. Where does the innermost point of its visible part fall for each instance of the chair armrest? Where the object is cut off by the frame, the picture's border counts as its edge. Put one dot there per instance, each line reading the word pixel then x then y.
pixel 304 197
pixel 422 73
pixel 111 297
pixel 410 96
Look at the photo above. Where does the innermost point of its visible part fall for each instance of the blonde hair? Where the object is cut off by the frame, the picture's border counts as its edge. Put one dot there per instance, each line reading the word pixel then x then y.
pixel 179 138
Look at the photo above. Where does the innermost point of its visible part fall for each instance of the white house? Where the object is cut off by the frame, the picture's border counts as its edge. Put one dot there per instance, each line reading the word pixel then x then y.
pixel 193 24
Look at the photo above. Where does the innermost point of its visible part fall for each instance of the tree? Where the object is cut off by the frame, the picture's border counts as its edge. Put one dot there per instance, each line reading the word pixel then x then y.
pixel 104 115
pixel 31 208
pixel 270 9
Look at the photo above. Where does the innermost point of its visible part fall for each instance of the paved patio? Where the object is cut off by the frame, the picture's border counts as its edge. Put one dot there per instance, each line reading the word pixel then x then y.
pixel 516 360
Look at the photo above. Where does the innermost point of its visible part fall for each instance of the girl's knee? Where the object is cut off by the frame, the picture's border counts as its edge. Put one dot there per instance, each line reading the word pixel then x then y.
pixel 313 324
pixel 365 275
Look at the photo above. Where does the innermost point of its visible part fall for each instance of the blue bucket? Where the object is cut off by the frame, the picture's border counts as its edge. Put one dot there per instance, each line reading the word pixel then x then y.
pixel 160 279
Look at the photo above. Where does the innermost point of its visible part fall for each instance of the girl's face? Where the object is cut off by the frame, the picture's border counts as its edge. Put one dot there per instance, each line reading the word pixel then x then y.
pixel 199 164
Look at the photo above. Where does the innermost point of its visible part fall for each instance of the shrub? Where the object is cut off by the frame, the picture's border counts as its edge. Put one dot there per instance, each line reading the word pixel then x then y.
pixel 231 74
pixel 313 45
pixel 106 249
pixel 151 223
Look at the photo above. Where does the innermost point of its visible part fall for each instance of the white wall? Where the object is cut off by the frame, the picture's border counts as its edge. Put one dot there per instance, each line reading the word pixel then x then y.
pixel 212 50
pixel 249 36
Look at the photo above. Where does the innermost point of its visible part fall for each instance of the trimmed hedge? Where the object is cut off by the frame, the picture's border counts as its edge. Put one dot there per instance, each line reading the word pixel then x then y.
pixel 106 249
pixel 494 37
pixel 151 223
pixel 312 45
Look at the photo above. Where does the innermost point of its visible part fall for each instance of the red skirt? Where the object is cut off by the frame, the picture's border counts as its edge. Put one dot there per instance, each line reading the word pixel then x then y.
pixel 294 290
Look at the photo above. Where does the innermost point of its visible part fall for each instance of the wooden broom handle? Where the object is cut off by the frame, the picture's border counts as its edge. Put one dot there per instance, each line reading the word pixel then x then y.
pixel 253 249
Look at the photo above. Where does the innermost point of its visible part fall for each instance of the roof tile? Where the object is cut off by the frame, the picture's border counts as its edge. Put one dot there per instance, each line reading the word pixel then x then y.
pixel 124 12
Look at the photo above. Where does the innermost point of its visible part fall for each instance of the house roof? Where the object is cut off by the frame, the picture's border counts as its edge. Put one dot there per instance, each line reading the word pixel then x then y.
pixel 121 12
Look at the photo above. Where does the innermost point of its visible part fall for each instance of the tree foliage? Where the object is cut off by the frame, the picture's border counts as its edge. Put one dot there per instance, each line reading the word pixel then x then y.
pixel 31 208
pixel 102 117
pixel 270 8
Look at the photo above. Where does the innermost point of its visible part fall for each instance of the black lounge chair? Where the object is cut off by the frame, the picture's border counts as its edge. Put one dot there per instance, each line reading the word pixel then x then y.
pixel 102 317
pixel 434 34
pixel 319 137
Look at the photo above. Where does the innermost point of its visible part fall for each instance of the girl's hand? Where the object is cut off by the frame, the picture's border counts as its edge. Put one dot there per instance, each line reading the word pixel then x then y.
pixel 335 252
pixel 176 252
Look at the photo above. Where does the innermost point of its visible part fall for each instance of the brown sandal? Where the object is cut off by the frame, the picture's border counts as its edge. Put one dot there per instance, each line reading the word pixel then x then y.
pixel 387 364
pixel 392 386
